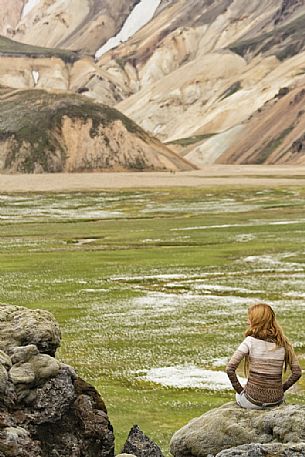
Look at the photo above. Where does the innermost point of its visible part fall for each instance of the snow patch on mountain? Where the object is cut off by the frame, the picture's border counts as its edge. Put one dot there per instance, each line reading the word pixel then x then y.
pixel 35 76
pixel 142 13
pixel 28 7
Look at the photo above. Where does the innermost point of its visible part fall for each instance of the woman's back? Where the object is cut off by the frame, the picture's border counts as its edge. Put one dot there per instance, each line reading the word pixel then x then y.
pixel 266 350
pixel 266 362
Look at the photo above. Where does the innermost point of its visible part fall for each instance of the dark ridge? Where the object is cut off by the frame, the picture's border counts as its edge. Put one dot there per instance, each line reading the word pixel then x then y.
pixel 284 41
pixel 11 48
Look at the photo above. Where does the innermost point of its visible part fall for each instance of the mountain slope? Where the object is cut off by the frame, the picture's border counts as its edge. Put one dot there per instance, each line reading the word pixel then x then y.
pixel 194 76
pixel 275 134
pixel 45 132
pixel 73 24
pixel 201 69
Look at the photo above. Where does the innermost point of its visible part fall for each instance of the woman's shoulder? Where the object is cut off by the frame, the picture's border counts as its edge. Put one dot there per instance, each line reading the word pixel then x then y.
pixel 254 341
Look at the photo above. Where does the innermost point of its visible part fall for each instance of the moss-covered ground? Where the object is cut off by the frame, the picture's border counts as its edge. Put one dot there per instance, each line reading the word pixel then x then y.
pixel 150 279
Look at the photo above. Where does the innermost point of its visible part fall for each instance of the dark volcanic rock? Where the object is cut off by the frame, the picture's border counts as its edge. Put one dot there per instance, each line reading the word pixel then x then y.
pixel 140 445
pixel 299 145
pixel 287 7
pixel 45 409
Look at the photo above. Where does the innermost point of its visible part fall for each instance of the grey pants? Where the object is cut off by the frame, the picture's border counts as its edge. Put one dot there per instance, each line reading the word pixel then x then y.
pixel 242 401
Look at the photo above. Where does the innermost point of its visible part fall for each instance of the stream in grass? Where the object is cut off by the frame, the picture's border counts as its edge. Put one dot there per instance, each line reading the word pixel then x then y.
pixel 151 288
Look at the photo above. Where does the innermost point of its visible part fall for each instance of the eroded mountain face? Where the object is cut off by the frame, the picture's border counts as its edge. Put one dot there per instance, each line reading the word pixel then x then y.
pixel 194 76
pixel 55 132
pixel 199 70
pixel 72 24
pixel 10 15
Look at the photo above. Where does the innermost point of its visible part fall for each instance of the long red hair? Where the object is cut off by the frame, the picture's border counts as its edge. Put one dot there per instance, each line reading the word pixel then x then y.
pixel 264 326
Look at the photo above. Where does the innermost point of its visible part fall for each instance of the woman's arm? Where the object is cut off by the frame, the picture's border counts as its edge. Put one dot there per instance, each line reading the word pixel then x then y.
pixel 296 373
pixel 235 360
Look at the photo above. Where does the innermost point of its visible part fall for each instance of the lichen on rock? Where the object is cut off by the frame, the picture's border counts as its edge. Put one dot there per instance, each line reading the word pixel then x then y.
pixel 21 327
pixel 233 431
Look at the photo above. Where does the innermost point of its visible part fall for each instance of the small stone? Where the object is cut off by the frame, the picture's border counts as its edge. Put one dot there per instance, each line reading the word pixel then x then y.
pixel 125 455
pixel 16 441
pixel 44 367
pixel 3 378
pixel 140 445
pixel 24 353
pixel 22 373
pixel 70 370
pixel 5 360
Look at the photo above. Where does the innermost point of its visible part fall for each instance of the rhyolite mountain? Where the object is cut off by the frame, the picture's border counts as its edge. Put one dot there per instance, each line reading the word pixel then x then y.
pixel 61 132
pixel 208 78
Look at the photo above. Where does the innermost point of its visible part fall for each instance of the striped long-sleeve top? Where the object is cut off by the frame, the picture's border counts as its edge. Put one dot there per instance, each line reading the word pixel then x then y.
pixel 266 362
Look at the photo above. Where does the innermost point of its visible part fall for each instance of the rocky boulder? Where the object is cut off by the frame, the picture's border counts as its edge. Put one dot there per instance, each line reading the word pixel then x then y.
pixel 232 431
pixel 21 327
pixel 46 410
pixel 265 450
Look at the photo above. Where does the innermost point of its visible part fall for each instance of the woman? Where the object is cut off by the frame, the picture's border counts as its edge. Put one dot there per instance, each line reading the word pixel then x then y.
pixel 266 350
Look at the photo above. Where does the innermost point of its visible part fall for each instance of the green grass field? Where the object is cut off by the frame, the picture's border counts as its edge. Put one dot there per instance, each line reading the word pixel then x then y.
pixel 144 280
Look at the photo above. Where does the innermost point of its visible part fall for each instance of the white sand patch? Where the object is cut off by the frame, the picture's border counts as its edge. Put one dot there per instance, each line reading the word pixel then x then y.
pixel 94 290
pixel 82 241
pixel 201 208
pixel 39 213
pixel 244 238
pixel 295 294
pixel 267 259
pixel 250 224
pixel 299 221
pixel 207 227
pixel 221 362
pixel 188 376
pixel 217 288
pixel 278 260
pixel 156 276
pixel 142 13
pixel 28 7
pixel 160 302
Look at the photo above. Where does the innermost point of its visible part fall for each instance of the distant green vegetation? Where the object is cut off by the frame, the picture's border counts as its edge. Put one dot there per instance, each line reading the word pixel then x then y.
pixel 148 279
pixel 284 41
pixel 272 146
pixel 14 48
pixel 235 87
pixel 191 139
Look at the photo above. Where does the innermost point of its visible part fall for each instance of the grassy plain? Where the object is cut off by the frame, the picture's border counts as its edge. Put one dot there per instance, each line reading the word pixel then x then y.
pixel 143 279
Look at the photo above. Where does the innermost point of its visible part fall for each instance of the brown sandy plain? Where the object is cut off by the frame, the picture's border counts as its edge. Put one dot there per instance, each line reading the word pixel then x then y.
pixel 209 176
